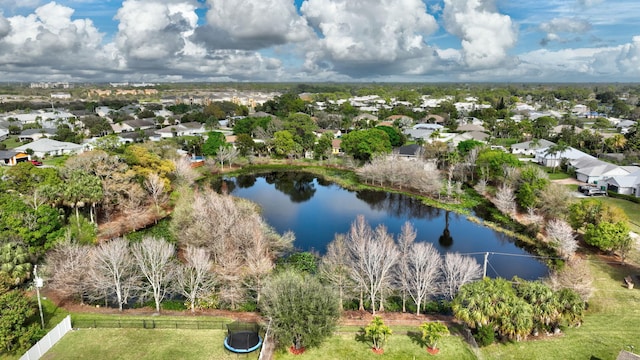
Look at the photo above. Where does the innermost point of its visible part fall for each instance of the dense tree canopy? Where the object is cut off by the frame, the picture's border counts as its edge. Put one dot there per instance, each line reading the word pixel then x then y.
pixel 364 144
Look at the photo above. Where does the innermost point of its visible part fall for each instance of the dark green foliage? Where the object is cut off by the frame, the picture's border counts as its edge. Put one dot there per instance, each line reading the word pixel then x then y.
pixel 485 335
pixel 514 309
pixel 465 146
pixel 396 137
pixel 364 144
pixel 213 143
pixel 177 305
pixel 302 262
pixel 303 312
pixel 161 230
pixel 284 105
pixel 17 333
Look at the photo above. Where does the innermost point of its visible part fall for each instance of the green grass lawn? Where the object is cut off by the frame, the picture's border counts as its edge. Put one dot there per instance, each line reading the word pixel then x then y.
pixel 132 344
pixel 612 324
pixel 630 208
pixel 400 346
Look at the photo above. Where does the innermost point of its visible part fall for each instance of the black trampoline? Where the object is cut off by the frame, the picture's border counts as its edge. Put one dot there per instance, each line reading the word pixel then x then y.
pixel 242 337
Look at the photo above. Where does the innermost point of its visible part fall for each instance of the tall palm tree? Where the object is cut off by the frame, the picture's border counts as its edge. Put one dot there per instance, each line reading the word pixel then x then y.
pixel 15 261
pixel 556 151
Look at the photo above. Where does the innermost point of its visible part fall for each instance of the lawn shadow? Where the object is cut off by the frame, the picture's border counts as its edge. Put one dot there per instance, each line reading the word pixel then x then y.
pixel 361 337
pixel 416 338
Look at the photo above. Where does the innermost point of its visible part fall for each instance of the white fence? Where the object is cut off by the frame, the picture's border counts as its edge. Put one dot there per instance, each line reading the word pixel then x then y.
pixel 48 340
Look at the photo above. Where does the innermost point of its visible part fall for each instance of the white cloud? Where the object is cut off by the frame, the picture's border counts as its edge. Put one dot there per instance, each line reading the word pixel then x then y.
pixel 486 34
pixel 589 3
pixel 154 30
pixel 252 24
pixel 357 37
pixel 572 25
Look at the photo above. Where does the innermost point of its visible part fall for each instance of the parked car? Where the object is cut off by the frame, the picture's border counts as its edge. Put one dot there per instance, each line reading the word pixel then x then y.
pixel 36 162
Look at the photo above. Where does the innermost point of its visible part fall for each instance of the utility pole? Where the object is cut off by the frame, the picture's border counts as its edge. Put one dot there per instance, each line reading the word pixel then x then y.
pixel 38 282
pixel 484 268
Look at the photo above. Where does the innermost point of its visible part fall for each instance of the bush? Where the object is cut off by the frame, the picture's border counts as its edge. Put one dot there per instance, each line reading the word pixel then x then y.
pixel 176 305
pixel 485 335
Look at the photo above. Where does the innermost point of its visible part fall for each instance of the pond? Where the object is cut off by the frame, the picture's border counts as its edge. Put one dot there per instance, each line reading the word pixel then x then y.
pixel 315 210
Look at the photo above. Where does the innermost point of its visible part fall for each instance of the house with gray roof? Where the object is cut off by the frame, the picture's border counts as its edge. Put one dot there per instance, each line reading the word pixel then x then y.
pixel 545 158
pixel 530 147
pixel 624 184
pixel 185 129
pixel 36 134
pixel 47 147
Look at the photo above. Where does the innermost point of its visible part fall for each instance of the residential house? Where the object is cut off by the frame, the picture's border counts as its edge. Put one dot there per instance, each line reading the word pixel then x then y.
pixel 4 133
pixel 10 157
pixel 624 184
pixel 133 125
pixel 469 135
pixel 409 152
pixel 530 147
pixel 186 129
pixel 36 134
pixel 335 147
pixel 470 127
pixel 48 147
pixel 548 159
pixel 593 174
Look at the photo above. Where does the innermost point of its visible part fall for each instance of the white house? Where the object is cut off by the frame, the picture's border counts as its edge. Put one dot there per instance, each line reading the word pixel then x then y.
pixel 186 129
pixel 545 158
pixel 530 147
pixel 624 184
pixel 48 147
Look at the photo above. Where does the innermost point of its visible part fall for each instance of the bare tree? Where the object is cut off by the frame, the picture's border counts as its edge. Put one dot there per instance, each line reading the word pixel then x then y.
pixel 184 173
pixel 458 270
pixel 227 154
pixel 334 267
pixel 561 235
pixel 374 254
pixel 156 188
pixel 154 258
pixel 403 271
pixel 113 271
pixel 424 264
pixel 505 199
pixel 575 275
pixel 194 278
pixel 554 200
pixel 68 268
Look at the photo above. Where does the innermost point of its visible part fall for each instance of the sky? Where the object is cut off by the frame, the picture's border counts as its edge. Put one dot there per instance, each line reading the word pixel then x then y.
pixel 320 40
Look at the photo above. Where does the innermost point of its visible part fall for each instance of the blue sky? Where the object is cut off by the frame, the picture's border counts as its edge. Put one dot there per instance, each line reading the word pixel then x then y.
pixel 320 40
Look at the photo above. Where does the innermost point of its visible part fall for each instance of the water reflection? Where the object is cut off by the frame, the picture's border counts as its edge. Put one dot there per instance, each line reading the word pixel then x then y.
pixel 446 240
pixel 317 210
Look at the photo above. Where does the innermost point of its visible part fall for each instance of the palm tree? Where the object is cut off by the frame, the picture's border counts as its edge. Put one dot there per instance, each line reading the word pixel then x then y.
pixel 555 152
pixel 15 261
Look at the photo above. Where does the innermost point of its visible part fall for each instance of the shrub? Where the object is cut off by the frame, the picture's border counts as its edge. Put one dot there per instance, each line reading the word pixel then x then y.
pixel 177 305
pixel 485 335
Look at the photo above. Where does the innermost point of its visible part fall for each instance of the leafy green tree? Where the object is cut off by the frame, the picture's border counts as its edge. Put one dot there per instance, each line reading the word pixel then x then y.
pixel 323 146
pixel 465 146
pixel 432 332
pixel 17 332
pixel 65 133
pixel 245 144
pixel 594 211
pixel 608 236
pixel 395 136
pixel 542 126
pixel 301 127
pixel 364 144
pixel 213 143
pixel 493 163
pixel 303 312
pixel 284 144
pixel 377 332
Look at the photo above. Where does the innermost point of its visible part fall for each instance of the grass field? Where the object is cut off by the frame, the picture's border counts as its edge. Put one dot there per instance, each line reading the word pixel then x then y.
pixel 400 347
pixel 157 344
